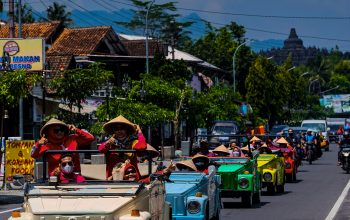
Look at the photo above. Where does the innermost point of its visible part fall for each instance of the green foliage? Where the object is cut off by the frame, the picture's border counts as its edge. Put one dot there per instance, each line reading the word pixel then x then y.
pixel 15 84
pixel 57 12
pixel 26 14
pixel 78 84
pixel 218 103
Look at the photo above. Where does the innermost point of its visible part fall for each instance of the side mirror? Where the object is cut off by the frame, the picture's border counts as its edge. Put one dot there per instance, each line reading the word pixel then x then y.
pixel 328 129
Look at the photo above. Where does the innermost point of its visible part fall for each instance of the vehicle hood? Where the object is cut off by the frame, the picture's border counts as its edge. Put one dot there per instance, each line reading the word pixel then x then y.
pixel 265 159
pixel 74 205
pixel 179 188
pixel 230 168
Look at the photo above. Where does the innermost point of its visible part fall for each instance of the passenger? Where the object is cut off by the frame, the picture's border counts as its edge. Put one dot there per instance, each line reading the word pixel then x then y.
pixel 201 162
pixel 55 136
pixel 236 152
pixel 245 151
pixel 255 142
pixel 221 151
pixel 65 170
pixel 130 173
pixel 186 165
pixel 125 136
pixel 203 149
pixel 264 149
pixel 149 150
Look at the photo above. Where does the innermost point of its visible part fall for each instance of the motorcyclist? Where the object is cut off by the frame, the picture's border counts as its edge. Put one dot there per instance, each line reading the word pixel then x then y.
pixel 291 138
pixel 342 143
pixel 309 138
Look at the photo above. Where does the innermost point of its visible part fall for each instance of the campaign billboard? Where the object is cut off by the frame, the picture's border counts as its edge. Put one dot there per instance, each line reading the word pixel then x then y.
pixel 339 103
pixel 26 54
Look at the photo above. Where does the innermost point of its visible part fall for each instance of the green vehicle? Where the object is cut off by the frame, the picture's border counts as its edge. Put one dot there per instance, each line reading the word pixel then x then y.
pixel 239 178
pixel 271 168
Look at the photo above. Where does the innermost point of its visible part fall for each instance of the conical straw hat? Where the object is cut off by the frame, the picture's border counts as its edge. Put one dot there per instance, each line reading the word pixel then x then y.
pixel 186 163
pixel 52 121
pixel 246 148
pixel 200 156
pixel 109 126
pixel 282 141
pixel 264 145
pixel 221 148
pixel 255 139
pixel 152 150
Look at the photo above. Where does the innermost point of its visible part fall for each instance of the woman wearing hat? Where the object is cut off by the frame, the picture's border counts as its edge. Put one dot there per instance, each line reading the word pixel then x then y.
pixel 55 136
pixel 221 151
pixel 125 136
pixel 186 165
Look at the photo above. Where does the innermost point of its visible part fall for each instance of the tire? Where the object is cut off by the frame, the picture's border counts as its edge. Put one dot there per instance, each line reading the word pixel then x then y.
pixel 256 197
pixel 280 188
pixel 294 175
pixel 326 149
pixel 247 200
pixel 289 177
pixel 270 189
pixel 309 156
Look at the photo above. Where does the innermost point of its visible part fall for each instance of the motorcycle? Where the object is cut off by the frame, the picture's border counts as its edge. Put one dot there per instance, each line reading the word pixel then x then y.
pixel 345 159
pixel 310 152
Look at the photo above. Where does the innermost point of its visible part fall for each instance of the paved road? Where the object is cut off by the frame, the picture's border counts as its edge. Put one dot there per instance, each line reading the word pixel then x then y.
pixel 312 197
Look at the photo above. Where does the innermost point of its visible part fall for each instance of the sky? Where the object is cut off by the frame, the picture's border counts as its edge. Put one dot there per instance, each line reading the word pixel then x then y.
pixel 320 23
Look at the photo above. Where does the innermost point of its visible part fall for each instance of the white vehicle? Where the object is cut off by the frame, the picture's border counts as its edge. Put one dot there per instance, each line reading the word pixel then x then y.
pixel 317 125
pixel 94 199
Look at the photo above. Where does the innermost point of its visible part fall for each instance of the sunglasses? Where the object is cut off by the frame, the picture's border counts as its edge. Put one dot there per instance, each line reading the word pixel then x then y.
pixel 129 171
pixel 58 129
pixel 70 163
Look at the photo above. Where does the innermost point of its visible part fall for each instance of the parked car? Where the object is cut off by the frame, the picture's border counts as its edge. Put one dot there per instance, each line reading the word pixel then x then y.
pixel 277 129
pixel 271 168
pixel 223 132
pixel 94 199
pixel 240 178
pixel 194 195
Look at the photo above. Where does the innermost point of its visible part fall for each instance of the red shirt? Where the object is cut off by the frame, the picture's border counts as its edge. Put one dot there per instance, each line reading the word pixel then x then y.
pixel 70 178
pixel 113 159
pixel 72 142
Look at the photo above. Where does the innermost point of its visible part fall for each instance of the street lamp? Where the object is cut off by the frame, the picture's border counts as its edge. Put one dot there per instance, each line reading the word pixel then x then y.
pixel 148 8
pixel 323 92
pixel 233 64
pixel 304 74
pixel 311 84
pixel 292 68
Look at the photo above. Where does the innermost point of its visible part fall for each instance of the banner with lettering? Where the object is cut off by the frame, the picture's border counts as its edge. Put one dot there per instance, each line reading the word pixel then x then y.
pixel 18 159
pixel 27 54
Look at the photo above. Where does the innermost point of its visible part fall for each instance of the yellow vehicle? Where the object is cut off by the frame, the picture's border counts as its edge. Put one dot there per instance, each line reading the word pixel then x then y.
pixel 271 167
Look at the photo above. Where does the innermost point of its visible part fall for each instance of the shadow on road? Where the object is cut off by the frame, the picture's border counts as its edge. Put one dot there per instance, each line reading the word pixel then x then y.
pixel 232 205
pixel 264 193
pixel 10 199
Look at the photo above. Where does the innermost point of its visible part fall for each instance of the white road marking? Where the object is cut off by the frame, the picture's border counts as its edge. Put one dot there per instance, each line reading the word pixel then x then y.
pixel 10 210
pixel 340 200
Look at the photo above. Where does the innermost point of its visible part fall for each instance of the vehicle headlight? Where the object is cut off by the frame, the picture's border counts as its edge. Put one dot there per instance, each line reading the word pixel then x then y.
pixel 243 182
pixel 288 165
pixel 193 207
pixel 267 176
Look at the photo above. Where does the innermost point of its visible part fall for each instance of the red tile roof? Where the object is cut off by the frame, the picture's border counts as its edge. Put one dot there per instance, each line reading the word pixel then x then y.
pixel 138 47
pixel 80 41
pixel 33 30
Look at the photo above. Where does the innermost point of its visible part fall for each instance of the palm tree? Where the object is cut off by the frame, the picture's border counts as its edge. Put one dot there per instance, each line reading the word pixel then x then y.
pixel 57 12
pixel 26 14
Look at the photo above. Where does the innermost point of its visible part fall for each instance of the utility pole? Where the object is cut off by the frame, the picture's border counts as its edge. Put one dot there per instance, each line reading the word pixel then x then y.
pixel 11 21
pixel 20 104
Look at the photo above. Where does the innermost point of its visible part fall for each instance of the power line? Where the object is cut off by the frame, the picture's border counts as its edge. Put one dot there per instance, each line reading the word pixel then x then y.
pixel 267 16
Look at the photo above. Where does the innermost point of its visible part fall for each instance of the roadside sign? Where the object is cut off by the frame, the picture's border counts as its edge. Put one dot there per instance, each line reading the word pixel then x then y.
pixel 18 159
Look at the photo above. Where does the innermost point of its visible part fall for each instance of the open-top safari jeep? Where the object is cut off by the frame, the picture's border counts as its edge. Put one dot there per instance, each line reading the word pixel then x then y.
pixel 240 178
pixel 271 168
pixel 194 195
pixel 94 199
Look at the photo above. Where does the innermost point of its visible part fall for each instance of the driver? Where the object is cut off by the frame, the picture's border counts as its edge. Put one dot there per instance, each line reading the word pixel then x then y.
pixel 186 165
pixel 344 141
pixel 221 151
pixel 65 172
pixel 201 162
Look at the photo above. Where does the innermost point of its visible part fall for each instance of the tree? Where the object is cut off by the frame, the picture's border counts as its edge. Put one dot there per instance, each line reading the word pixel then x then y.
pixel 78 84
pixel 266 89
pixel 162 21
pixel 57 12
pixel 26 14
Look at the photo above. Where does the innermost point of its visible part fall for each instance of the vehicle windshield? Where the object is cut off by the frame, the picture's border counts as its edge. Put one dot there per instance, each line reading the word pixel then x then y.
pixel 334 127
pixel 277 128
pixel 315 126
pixel 224 130
pixel 225 160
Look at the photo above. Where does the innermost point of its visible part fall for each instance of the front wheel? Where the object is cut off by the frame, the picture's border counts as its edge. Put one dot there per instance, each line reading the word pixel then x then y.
pixel 247 200
pixel 309 156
